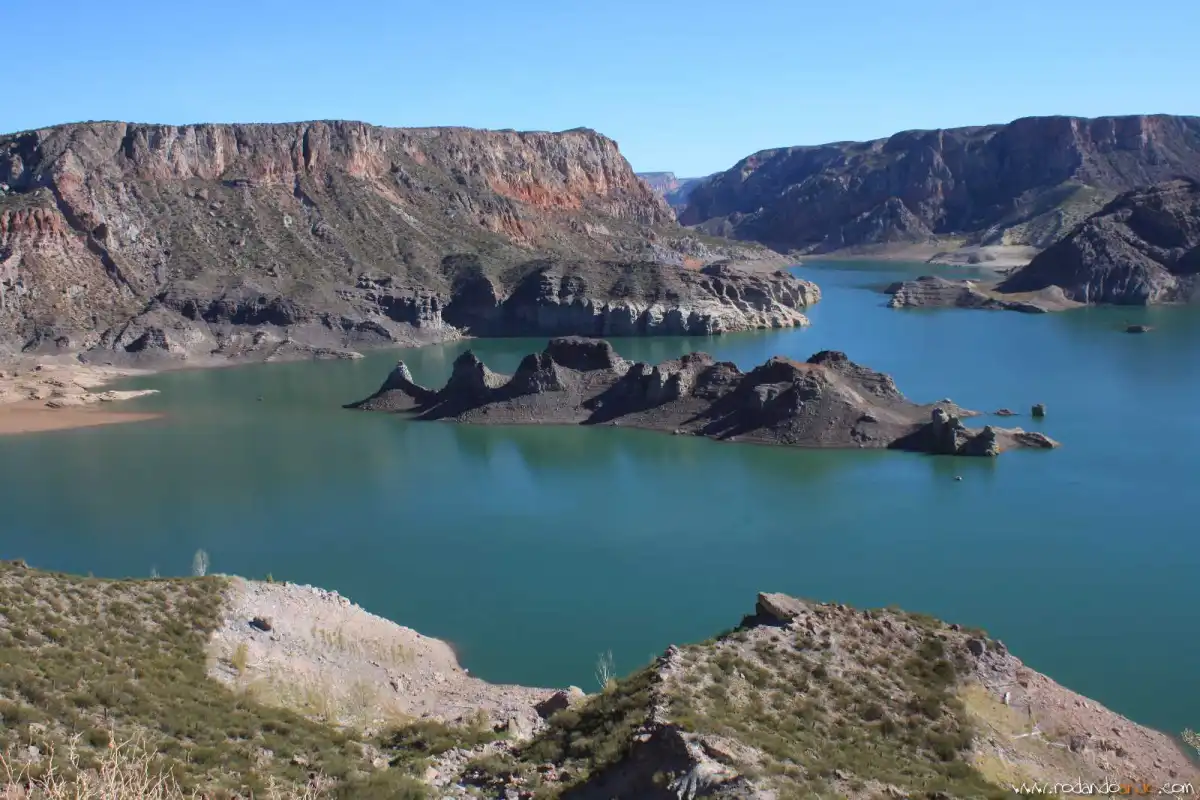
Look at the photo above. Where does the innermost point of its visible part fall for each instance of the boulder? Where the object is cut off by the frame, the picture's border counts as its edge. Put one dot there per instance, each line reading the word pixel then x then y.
pixel 779 607
pixel 559 701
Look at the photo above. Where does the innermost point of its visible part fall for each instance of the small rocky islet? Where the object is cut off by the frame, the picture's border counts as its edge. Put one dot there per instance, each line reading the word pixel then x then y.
pixel 826 402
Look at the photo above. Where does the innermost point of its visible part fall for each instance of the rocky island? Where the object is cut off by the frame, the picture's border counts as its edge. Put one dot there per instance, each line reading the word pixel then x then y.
pixel 934 291
pixel 827 401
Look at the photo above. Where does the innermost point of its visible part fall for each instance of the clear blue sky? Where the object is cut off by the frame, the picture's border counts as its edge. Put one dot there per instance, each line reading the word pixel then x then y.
pixel 685 86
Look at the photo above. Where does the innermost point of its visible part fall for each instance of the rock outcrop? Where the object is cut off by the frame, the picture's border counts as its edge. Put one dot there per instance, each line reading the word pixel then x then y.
pixel 182 241
pixel 932 291
pixel 1025 183
pixel 1142 248
pixel 827 401
pixel 809 699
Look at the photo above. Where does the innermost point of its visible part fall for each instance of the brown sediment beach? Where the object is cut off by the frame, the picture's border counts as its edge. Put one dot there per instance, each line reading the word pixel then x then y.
pixel 34 417
pixel 58 395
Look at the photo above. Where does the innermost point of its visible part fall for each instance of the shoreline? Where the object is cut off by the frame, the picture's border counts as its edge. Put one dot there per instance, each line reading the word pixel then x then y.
pixel 53 393
pixel 31 417
pixel 986 258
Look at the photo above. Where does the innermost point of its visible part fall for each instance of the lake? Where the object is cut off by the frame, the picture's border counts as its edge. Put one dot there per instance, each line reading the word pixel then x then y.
pixel 532 550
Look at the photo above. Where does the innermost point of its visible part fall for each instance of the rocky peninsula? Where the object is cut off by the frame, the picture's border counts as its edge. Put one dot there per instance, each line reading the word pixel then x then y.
pixel 827 401
pixel 1140 249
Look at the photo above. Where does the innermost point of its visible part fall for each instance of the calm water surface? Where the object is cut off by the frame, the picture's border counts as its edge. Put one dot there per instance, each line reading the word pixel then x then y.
pixel 534 549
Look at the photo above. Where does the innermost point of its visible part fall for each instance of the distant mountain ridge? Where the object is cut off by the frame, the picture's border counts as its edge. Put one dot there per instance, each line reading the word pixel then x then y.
pixel 672 189
pixel 1028 182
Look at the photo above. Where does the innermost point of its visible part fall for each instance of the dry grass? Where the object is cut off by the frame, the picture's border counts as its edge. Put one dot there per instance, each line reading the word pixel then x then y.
pixel 84 660
pixel 128 770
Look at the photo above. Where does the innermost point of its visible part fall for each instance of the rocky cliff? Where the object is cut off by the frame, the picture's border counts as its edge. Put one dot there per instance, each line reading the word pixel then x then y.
pixel 1025 183
pixel 828 401
pixel 1143 247
pixel 672 189
pixel 265 238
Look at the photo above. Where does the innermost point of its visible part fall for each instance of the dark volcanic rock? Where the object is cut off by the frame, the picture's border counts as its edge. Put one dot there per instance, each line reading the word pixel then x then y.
pixel 1142 248
pixel 1026 182
pixel 828 401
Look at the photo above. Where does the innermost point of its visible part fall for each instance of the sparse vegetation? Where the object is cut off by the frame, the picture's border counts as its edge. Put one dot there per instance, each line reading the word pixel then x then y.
pixel 124 771
pixel 605 670
pixel 85 660
pixel 412 745
pixel 200 564
pixel 240 658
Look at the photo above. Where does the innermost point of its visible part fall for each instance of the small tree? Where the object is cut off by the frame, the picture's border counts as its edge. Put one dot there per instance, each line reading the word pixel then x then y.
pixel 200 564
pixel 1193 739
pixel 605 671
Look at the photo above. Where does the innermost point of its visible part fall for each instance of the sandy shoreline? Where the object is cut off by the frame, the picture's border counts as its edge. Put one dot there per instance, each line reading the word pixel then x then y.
pixel 56 393
pixel 33 417
pixel 949 253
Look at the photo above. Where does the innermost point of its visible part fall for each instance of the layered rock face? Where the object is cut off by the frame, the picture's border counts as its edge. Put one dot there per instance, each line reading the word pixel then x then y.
pixel 1025 183
pixel 199 238
pixel 828 401
pixel 1142 248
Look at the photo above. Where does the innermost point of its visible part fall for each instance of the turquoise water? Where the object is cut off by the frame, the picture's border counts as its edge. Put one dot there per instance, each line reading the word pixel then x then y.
pixel 534 549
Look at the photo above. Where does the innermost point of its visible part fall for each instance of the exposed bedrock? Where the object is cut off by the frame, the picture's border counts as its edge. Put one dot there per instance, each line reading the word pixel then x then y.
pixel 827 401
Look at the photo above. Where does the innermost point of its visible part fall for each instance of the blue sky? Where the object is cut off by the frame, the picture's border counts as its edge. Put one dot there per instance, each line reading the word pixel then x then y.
pixel 689 87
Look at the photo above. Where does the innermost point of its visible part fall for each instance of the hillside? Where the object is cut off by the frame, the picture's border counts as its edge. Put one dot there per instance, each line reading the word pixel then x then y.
pixel 276 239
pixel 1028 183
pixel 1142 248
pixel 241 685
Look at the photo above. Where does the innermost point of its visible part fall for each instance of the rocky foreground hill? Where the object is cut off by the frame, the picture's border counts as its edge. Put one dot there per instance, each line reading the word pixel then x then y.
pixel 828 401
pixel 1028 182
pixel 1142 248
pixel 235 687
pixel 267 240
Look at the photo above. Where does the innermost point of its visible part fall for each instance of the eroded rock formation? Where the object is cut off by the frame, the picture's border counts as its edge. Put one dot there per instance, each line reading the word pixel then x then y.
pixel 317 236
pixel 827 401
